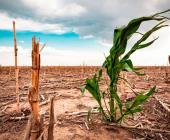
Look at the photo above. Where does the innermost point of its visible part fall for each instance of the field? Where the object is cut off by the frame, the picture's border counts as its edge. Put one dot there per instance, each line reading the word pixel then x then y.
pixel 70 106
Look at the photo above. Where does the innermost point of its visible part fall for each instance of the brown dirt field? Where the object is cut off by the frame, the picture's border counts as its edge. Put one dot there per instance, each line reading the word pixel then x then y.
pixel 64 83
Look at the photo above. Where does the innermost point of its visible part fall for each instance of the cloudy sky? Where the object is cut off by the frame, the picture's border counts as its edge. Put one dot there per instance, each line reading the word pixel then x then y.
pixel 77 32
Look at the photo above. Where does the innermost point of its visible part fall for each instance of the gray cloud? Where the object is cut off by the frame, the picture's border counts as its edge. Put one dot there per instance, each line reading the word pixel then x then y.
pixel 16 8
pixel 99 19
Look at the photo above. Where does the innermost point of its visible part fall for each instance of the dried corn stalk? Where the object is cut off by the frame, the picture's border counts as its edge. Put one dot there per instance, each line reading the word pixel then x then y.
pixel 51 122
pixel 33 96
pixel 16 67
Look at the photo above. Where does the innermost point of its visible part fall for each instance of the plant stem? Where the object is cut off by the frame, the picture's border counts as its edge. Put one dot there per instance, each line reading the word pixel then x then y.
pixel 106 106
pixel 112 108
pixel 102 112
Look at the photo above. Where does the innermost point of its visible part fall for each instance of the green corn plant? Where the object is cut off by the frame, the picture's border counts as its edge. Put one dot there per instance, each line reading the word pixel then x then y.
pixel 118 61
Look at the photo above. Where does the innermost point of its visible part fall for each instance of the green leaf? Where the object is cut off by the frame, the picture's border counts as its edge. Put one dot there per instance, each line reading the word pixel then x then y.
pixel 152 90
pixel 119 102
pixel 93 87
pixel 139 74
pixel 135 110
pixel 157 14
pixel 137 45
pixel 141 98
pixel 100 74
pixel 128 65
pixel 147 44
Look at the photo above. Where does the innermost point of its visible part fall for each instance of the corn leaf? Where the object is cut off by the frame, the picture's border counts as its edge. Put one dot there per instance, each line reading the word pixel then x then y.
pixel 141 98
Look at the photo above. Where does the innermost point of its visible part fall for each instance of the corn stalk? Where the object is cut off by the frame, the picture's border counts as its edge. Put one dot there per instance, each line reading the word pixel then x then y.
pixel 16 68
pixel 51 122
pixel 33 96
pixel 119 61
